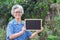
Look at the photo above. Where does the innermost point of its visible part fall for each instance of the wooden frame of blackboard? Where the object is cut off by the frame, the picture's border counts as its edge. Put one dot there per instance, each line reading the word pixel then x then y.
pixel 33 19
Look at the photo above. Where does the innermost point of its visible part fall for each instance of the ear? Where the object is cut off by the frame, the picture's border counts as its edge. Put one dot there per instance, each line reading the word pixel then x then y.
pixel 21 14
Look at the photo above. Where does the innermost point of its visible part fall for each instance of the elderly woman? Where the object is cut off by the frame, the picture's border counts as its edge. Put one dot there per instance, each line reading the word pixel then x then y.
pixel 16 29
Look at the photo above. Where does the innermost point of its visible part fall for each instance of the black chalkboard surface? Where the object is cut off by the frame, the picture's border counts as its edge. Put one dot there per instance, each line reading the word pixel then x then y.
pixel 33 24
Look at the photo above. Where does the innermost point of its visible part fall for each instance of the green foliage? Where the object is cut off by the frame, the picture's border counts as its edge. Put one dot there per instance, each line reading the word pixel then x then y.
pixel 2 34
pixel 58 1
pixel 32 9
pixel 51 37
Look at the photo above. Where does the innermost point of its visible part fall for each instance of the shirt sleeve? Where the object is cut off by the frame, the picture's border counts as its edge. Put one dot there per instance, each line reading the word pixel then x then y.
pixel 29 33
pixel 9 31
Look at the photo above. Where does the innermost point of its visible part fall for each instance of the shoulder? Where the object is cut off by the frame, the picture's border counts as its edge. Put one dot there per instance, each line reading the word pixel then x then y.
pixel 22 22
pixel 11 22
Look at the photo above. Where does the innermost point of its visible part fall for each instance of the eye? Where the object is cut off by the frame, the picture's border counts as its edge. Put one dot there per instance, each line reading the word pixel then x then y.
pixel 18 12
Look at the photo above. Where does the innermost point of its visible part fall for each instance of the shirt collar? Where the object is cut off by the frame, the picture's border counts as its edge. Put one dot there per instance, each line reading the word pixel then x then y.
pixel 17 23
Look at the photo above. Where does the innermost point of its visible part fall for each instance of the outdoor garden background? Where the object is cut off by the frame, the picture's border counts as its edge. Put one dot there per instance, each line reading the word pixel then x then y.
pixel 48 10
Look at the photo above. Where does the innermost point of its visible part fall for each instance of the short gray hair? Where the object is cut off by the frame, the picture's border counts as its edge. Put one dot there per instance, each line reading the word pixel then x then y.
pixel 17 6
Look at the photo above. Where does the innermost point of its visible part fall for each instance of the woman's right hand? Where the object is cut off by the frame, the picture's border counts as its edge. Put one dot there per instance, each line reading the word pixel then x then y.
pixel 24 29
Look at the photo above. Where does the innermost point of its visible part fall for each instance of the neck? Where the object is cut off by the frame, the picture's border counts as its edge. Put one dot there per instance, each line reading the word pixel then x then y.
pixel 18 20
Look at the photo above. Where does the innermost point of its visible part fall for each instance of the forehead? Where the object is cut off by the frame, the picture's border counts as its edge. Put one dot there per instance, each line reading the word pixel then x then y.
pixel 17 9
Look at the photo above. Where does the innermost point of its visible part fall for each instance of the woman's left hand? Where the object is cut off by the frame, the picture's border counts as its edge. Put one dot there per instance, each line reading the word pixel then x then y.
pixel 39 30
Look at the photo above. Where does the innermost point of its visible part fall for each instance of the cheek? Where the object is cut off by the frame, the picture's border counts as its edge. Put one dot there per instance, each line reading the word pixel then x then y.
pixel 20 14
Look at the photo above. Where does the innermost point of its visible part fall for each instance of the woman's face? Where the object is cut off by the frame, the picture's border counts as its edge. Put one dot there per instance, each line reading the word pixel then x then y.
pixel 17 13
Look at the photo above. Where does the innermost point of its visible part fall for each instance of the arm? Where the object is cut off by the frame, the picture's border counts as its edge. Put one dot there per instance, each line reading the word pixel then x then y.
pixel 35 33
pixel 13 36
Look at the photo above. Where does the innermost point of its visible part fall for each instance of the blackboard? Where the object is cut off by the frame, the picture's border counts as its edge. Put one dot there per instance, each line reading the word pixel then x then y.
pixel 33 24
